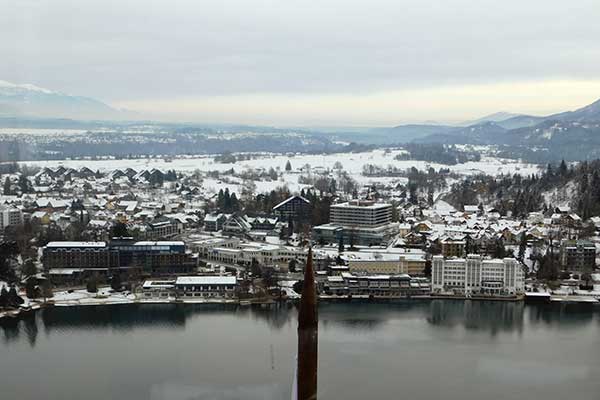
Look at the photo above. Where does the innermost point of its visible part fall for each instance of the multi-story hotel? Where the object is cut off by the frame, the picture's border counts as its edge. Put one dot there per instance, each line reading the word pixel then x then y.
pixel 477 275
pixel 361 213
pixel 579 256
pixel 358 222
pixel 77 260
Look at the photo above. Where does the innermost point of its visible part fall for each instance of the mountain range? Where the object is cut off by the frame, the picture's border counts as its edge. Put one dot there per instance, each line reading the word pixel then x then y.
pixel 571 135
pixel 26 100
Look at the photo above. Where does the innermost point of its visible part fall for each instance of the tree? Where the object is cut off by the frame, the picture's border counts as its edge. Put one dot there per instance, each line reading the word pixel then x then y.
pixel 31 289
pixel 29 268
pixel 288 166
pixel 14 300
pixel 92 285
pixel 8 253
pixel 24 184
pixel 341 244
pixel 292 265
pixel 298 287
pixel 120 230
pixel 3 297
pixel 427 269
pixel 47 289
pixel 522 247
pixel 115 281
pixel 7 186
pixel 255 267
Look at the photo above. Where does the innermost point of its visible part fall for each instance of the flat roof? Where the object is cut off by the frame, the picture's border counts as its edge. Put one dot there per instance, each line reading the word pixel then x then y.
pixel 76 244
pixel 160 243
pixel 206 280
pixel 361 205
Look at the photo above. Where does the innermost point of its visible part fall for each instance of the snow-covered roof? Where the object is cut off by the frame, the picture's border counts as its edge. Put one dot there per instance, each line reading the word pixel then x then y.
pixel 76 244
pixel 206 280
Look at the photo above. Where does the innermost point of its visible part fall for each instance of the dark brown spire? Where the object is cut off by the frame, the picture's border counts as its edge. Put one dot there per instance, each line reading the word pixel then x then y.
pixel 308 335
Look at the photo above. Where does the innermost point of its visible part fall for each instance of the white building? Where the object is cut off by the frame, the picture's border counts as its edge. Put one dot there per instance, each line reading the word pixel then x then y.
pixel 361 213
pixel 10 216
pixel 476 275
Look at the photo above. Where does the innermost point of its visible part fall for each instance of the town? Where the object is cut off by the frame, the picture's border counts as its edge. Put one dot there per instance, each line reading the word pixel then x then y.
pixel 76 236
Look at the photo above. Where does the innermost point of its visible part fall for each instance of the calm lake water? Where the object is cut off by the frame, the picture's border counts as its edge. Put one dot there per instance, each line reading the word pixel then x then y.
pixel 429 350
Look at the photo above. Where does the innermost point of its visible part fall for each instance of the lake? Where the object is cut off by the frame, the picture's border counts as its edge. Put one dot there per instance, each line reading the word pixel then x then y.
pixel 407 350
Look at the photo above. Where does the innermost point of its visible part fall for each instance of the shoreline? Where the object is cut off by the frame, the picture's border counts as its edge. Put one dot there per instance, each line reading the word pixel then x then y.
pixel 20 312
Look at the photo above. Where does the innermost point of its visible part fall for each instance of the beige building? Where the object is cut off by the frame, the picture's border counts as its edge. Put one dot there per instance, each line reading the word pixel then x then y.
pixel 413 265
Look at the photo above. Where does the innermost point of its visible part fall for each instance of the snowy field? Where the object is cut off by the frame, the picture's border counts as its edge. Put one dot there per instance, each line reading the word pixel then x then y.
pixel 352 163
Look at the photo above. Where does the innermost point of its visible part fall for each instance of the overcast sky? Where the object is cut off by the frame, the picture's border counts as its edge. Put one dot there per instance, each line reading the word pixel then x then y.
pixel 288 62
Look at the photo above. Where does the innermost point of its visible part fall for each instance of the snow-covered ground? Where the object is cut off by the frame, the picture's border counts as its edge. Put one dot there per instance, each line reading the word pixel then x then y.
pixel 352 163
pixel 83 297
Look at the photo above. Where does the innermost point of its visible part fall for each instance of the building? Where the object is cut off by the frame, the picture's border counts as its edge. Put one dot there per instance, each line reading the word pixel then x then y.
pixel 388 264
pixel 10 216
pixel 206 287
pixel 579 256
pixel 453 248
pixel 477 275
pixel 242 253
pixel 236 225
pixel 82 259
pixel 214 222
pixel 163 229
pixel 154 257
pixel 191 288
pixel 296 208
pixel 358 222
pixel 79 255
pixel 376 286
pixel 361 213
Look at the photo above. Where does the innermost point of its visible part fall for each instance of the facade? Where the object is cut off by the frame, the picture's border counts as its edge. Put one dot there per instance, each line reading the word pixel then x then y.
pixel 579 256
pixel 296 208
pixel 242 253
pixel 163 229
pixel 358 222
pixel 10 216
pixel 453 248
pixel 206 287
pixel 361 213
pixel 126 255
pixel 377 286
pixel 191 288
pixel 413 265
pixel 214 222
pixel 79 255
pixel 476 275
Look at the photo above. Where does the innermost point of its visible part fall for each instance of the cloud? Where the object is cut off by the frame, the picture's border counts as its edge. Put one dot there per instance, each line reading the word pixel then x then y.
pixel 144 50
pixel 448 103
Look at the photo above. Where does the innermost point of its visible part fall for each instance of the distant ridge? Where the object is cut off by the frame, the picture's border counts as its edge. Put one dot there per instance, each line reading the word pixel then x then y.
pixel 27 100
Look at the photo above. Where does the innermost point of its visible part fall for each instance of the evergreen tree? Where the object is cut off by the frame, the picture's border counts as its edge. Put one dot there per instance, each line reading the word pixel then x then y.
pixel 92 285
pixel 288 166
pixel 522 247
pixel 115 281
pixel 7 190
pixel 292 265
pixel 31 289
pixel 120 230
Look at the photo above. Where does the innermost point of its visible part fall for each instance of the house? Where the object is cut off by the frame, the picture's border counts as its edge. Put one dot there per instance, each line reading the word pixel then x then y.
pixel 214 222
pixel 295 207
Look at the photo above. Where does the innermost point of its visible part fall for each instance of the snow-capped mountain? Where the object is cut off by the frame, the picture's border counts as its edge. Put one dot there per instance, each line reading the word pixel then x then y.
pixel 27 100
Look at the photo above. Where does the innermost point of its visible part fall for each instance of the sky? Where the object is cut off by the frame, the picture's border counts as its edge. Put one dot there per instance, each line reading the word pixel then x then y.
pixel 309 63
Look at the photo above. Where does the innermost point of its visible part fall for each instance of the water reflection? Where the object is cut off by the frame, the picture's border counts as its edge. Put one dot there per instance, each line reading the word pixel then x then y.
pixel 492 317
pixel 478 315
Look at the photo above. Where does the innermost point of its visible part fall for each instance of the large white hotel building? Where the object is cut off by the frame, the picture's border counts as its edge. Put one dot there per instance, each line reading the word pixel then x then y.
pixel 477 275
